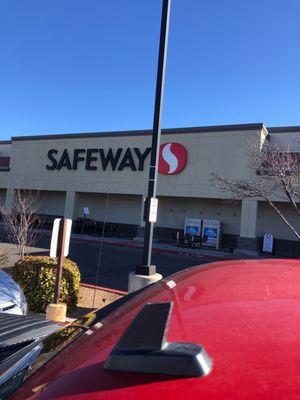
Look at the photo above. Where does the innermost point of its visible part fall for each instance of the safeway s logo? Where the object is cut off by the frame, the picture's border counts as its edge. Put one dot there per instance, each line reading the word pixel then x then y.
pixel 172 158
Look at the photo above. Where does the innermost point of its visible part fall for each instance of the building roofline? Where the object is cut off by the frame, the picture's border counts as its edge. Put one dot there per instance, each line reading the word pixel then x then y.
pixel 199 129
pixel 282 129
pixel 5 141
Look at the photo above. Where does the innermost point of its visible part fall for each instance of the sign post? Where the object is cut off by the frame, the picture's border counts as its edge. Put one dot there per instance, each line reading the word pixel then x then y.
pixel 147 269
pixel 59 248
pixel 86 212
pixel 60 257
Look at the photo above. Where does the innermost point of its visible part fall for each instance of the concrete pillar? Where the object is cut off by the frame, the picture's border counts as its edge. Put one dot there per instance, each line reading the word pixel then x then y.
pixel 69 204
pixel 248 218
pixel 9 198
pixel 247 242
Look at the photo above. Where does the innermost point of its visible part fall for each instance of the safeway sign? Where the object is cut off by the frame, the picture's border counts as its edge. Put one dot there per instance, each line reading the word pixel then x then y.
pixel 172 159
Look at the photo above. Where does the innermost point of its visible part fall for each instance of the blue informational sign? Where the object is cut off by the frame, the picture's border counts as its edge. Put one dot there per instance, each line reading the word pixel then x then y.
pixel 193 230
pixel 192 226
pixel 211 232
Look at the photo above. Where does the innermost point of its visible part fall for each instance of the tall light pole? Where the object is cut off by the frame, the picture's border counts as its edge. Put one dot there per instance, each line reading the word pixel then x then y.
pixel 146 268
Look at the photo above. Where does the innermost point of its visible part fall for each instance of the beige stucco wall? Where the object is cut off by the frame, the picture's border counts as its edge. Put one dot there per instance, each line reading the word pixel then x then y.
pixel 213 152
pixel 190 193
pixel 5 149
pixel 286 140
pixel 128 209
pixel 269 221
pixel 124 209
pixel 51 203
pixel 2 196
pixel 207 152
pixel 4 179
pixel 173 211
pixel 47 202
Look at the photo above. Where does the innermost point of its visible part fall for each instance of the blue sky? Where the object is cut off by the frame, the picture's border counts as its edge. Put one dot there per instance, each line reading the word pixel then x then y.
pixel 90 65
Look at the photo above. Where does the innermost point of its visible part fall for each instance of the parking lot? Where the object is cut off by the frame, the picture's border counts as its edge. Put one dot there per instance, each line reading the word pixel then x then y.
pixel 111 266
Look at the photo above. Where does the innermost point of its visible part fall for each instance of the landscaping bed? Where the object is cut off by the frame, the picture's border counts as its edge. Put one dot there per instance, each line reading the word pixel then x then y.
pixel 93 297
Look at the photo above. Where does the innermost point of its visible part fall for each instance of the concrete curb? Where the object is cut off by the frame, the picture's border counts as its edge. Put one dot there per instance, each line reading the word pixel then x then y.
pixel 139 246
pixel 97 287
pixel 156 250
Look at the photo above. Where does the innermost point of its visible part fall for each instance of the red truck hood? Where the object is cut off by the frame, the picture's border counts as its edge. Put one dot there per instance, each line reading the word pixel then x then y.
pixel 246 314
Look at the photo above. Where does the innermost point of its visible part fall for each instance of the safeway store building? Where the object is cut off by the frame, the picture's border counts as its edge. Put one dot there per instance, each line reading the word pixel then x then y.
pixel 108 174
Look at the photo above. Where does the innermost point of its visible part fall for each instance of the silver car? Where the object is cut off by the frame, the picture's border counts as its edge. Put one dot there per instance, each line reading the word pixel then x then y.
pixel 12 299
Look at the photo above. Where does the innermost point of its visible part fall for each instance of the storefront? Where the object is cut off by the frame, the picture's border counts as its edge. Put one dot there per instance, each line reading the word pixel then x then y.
pixel 108 173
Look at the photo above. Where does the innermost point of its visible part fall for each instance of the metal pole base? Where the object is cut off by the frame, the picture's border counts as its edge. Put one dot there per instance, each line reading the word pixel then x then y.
pixel 145 270
pixel 137 282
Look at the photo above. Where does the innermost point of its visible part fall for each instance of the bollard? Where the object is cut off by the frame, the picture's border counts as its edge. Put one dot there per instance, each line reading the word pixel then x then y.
pixel 56 312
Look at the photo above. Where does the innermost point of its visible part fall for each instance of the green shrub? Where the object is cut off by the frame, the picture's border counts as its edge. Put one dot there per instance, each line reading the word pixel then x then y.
pixel 37 274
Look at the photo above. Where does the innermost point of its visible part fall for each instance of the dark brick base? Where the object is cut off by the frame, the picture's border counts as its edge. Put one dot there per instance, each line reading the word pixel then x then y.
pixel 167 234
pixel 248 243
pixel 247 246
pixel 286 248
pixel 237 244
pixel 109 229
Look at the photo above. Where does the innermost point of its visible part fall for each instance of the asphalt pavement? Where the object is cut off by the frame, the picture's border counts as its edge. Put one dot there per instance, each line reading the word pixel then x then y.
pixel 109 264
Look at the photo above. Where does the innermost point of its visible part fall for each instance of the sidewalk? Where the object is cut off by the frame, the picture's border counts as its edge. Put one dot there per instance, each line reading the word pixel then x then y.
pixel 162 248
pixel 12 256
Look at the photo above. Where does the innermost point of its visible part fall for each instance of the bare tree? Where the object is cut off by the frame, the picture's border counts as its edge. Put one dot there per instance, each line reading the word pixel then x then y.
pixel 275 177
pixel 21 220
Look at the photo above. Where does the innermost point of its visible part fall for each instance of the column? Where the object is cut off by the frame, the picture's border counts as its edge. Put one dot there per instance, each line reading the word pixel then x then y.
pixel 69 204
pixel 9 198
pixel 247 242
pixel 248 218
